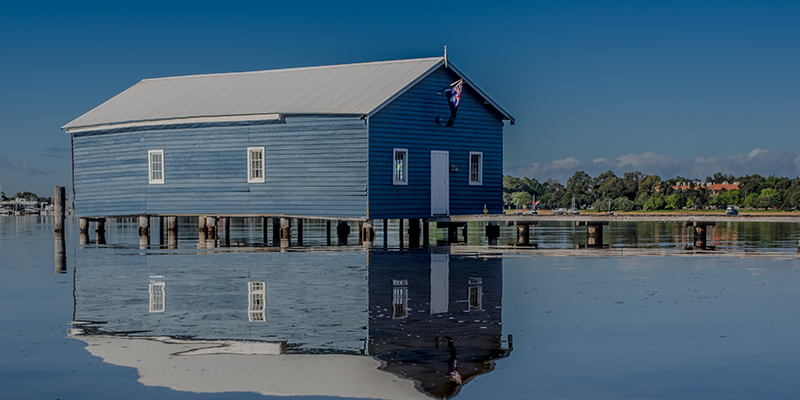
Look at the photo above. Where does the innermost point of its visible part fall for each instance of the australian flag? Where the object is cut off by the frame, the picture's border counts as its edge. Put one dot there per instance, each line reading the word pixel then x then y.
pixel 453 98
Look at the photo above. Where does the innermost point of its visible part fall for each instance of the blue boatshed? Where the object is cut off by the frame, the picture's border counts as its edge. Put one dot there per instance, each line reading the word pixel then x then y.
pixel 356 141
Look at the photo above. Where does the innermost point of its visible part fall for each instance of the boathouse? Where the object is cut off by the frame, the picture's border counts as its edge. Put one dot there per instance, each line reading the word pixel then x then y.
pixel 357 141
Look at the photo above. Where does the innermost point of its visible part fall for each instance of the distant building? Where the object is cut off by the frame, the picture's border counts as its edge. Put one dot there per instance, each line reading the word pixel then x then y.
pixel 715 188
pixel 359 141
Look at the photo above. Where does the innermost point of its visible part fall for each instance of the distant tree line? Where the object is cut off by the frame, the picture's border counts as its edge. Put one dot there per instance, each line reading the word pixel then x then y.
pixel 637 191
pixel 26 196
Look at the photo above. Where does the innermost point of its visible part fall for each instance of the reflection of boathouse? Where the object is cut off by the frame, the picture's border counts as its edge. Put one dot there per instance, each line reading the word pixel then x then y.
pixel 295 312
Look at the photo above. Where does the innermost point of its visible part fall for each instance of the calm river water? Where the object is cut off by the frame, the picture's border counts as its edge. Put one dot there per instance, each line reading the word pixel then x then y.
pixel 644 317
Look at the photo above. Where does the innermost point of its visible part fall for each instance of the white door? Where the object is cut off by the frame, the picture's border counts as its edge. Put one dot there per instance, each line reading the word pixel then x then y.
pixel 440 182
pixel 440 283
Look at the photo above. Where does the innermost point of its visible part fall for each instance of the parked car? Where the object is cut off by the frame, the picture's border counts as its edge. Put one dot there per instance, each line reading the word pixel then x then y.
pixel 731 211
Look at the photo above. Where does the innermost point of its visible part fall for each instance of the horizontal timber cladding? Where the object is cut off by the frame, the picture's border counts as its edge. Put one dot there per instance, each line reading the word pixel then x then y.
pixel 410 122
pixel 315 166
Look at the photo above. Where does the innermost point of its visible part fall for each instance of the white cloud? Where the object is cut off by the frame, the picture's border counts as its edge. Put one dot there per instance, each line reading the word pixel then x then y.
pixel 758 161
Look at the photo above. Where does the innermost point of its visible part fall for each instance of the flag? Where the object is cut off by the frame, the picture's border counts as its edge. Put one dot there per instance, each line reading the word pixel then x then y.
pixel 453 98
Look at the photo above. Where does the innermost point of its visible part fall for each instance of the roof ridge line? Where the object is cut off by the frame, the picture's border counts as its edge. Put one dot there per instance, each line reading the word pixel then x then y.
pixel 292 69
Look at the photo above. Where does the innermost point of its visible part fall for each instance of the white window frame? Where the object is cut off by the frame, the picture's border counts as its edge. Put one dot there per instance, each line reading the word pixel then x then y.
pixel 250 169
pixel 404 180
pixel 399 298
pixel 150 167
pixel 257 301
pixel 479 172
pixel 158 297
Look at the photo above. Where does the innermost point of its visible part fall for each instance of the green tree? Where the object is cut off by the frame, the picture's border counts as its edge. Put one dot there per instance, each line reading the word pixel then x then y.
pixel 3 196
pixel 768 198
pixel 608 185
pixel 654 203
pixel 512 184
pixel 674 202
pixel 521 198
pixel 578 186
pixel 624 204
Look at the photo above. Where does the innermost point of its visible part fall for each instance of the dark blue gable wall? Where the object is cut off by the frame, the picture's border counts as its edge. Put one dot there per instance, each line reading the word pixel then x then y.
pixel 314 166
pixel 410 122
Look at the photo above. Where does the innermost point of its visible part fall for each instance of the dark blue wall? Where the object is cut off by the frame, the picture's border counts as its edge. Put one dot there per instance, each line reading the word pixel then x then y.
pixel 314 166
pixel 410 122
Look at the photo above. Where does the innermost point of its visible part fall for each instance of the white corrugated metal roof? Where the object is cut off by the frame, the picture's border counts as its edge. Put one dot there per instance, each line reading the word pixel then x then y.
pixel 357 89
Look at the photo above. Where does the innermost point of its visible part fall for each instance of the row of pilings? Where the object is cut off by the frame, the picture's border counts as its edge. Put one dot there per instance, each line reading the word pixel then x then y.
pixel 288 231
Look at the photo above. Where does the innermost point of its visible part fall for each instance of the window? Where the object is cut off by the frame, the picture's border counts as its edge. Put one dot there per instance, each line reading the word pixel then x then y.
pixel 400 167
pixel 158 297
pixel 399 298
pixel 156 166
pixel 256 302
pixel 475 168
pixel 475 294
pixel 255 165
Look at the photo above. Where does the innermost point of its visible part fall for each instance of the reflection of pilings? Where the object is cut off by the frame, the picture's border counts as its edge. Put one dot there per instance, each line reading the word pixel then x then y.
pixel 100 230
pixel 226 223
pixel 492 232
pixel 299 231
pixel 413 232
pixel 452 230
pixel 162 231
pixel 61 253
pixel 594 232
pixel 400 231
pixel 276 231
pixel 425 232
pixel 59 202
pixel 172 232
pixel 342 231
pixel 265 228
pixel 386 234
pixel 328 231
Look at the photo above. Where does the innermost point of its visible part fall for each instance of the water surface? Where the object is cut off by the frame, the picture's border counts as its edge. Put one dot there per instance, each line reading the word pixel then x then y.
pixel 239 318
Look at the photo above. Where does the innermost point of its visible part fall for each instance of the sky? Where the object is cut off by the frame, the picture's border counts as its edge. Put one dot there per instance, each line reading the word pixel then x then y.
pixel 671 88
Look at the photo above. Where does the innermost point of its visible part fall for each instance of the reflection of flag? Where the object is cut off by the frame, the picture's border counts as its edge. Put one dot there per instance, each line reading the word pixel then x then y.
pixel 453 98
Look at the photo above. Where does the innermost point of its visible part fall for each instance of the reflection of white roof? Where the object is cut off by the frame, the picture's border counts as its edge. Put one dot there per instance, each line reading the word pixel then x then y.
pixel 215 367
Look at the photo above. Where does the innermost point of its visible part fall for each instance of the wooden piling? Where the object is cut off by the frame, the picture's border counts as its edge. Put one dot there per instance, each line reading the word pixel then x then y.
pixel 400 231
pixel 523 234
pixel 425 233
pixel 144 225
pixel 342 231
pixel 386 233
pixel 59 207
pixel 368 231
pixel 328 231
pixel 299 231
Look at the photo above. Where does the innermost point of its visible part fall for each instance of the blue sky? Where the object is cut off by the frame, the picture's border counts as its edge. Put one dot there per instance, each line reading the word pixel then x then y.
pixel 671 88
